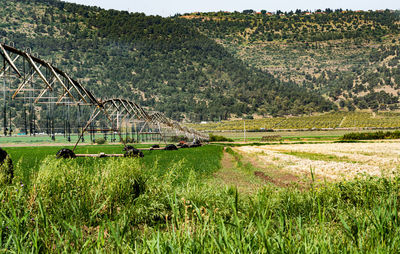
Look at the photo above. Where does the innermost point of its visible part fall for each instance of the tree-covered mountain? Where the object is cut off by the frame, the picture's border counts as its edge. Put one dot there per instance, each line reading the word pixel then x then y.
pixel 209 66
pixel 350 57
pixel 162 63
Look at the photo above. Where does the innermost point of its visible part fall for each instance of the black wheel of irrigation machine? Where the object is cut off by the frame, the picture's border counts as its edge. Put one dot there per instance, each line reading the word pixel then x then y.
pixel 132 152
pixel 171 147
pixel 6 168
pixel 66 153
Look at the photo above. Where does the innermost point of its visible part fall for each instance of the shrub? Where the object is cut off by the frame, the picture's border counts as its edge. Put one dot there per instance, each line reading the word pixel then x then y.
pixel 6 168
pixel 371 135
pixel 100 141
pixel 6 171
pixel 72 189
pixel 216 138
pixel 271 138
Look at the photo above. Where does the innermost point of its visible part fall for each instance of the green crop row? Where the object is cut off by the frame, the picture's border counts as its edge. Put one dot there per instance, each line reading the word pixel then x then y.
pixel 328 120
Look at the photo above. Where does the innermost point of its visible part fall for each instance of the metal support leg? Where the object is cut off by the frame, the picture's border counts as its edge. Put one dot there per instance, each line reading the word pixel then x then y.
pixel 91 119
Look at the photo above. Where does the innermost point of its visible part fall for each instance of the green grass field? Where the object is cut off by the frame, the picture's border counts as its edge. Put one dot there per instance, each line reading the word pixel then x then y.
pixel 29 159
pixel 237 136
pixel 316 135
pixel 168 202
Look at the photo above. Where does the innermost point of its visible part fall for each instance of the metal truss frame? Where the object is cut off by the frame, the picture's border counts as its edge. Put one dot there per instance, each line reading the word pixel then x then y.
pixel 57 87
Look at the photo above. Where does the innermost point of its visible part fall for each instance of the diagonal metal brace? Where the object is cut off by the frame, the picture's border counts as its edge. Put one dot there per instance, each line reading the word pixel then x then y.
pixel 8 59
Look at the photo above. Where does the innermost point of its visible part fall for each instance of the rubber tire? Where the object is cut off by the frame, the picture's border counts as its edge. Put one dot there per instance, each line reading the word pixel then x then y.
pixel 66 153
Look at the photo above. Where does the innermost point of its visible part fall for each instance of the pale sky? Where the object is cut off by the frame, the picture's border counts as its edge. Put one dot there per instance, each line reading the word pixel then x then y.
pixel 172 7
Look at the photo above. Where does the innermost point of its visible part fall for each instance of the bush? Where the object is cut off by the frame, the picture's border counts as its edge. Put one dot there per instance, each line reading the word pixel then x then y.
pixel 100 141
pixel 6 171
pixel 371 135
pixel 6 168
pixel 71 189
pixel 216 138
pixel 260 130
pixel 271 138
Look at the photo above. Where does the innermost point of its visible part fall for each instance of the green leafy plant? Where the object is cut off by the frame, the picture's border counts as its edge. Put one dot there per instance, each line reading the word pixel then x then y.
pixel 216 138
pixel 100 141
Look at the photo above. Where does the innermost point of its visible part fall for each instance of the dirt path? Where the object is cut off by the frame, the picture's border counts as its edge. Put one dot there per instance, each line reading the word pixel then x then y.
pixel 230 175
pixel 273 174
pixel 248 174
pixel 227 161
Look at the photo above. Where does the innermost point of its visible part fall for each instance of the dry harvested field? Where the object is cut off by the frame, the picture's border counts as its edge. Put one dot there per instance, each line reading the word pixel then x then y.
pixel 330 161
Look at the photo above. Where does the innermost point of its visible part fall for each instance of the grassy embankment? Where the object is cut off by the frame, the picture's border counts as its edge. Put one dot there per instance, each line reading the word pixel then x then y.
pixel 165 203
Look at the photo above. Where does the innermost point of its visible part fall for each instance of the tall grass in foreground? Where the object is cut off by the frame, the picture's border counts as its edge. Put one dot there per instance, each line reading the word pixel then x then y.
pixel 127 206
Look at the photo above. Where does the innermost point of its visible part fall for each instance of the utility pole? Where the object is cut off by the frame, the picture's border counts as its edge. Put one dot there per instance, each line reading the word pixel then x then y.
pixel 117 120
pixel 244 130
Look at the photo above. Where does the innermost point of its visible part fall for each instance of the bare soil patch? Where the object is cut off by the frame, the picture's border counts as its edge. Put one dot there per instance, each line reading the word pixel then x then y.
pixel 328 161
pixel 270 173
pixel 268 179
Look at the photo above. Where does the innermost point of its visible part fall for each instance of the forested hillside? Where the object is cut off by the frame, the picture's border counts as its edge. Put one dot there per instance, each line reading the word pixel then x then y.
pixel 159 62
pixel 211 66
pixel 351 57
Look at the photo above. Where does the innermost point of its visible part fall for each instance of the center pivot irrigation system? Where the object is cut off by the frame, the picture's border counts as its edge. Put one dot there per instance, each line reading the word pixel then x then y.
pixel 37 89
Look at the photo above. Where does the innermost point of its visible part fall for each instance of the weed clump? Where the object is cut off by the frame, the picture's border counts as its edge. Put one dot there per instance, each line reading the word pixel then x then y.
pixel 271 138
pixel 100 141
pixel 371 135
pixel 6 168
pixel 216 138
pixel 73 190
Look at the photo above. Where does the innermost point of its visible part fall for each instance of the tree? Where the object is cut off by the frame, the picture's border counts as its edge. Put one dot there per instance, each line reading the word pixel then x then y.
pixel 249 11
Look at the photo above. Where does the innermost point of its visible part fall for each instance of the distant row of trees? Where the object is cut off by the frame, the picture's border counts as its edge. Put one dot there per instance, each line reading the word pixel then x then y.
pixel 332 25
pixel 297 11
